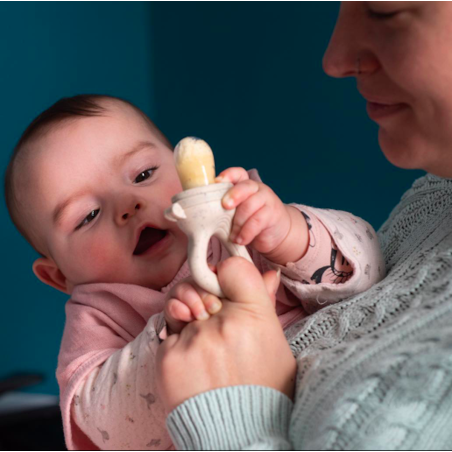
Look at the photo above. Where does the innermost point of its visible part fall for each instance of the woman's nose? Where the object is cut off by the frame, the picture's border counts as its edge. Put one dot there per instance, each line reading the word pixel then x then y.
pixel 349 53
pixel 336 62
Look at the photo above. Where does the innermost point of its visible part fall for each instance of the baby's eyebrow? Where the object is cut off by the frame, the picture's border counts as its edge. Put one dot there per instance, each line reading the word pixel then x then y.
pixel 118 161
pixel 61 207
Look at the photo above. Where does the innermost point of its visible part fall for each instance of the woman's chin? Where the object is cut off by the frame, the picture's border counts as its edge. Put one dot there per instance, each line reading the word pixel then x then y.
pixel 402 152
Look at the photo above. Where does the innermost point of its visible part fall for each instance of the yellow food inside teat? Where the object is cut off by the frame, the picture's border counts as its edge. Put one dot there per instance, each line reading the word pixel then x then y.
pixel 194 163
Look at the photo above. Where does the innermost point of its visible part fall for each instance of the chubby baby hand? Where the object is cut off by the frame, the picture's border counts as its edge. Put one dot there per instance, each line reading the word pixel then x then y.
pixel 261 220
pixel 187 302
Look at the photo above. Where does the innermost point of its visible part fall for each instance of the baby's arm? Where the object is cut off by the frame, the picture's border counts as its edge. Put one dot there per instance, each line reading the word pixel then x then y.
pixel 343 259
pixel 346 260
pixel 117 405
pixel 323 261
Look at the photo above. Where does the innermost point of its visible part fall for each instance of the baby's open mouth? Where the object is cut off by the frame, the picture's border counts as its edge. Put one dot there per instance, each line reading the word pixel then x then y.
pixel 148 238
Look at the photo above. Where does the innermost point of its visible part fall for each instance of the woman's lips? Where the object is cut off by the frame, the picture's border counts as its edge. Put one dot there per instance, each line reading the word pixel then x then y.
pixel 378 111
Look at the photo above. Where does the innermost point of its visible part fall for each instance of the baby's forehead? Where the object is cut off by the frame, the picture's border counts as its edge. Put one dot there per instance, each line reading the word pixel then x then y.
pixel 115 128
pixel 78 144
pixel 96 138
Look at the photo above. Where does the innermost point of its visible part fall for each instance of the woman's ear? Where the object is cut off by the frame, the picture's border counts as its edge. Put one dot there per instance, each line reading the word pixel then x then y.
pixel 47 271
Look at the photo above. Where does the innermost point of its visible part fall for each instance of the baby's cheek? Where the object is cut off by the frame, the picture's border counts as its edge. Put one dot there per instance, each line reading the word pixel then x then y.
pixel 100 260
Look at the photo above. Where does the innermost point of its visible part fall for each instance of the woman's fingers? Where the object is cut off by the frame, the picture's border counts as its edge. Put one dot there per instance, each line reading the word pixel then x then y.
pixel 241 282
pixel 272 280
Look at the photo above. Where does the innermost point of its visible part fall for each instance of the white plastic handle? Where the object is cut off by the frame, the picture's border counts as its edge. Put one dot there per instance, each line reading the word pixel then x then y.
pixel 198 212
pixel 197 252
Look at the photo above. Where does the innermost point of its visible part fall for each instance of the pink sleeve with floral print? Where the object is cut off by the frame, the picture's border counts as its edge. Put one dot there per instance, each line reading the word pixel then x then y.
pixel 323 261
pixel 344 258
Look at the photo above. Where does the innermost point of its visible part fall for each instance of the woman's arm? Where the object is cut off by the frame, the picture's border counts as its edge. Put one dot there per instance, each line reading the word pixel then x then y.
pixel 233 418
pixel 242 346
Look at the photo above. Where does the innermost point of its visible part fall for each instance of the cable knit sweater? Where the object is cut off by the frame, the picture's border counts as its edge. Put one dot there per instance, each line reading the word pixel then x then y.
pixel 374 371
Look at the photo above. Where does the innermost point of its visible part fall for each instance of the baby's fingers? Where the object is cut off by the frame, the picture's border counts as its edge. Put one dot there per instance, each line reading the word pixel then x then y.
pixel 188 295
pixel 212 303
pixel 233 175
pixel 240 193
pixel 177 315
pixel 245 212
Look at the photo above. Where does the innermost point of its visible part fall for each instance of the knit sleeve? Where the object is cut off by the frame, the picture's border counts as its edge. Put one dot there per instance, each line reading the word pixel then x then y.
pixel 232 418
pixel 117 405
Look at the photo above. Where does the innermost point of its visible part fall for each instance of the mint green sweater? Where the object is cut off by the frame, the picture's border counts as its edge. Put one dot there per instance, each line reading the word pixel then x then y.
pixel 374 371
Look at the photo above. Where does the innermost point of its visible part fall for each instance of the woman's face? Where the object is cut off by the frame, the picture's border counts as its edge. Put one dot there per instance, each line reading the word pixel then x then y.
pixel 401 56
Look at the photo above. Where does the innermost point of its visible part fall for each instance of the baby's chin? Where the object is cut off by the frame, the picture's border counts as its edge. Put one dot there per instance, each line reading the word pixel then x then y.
pixel 162 282
pixel 167 272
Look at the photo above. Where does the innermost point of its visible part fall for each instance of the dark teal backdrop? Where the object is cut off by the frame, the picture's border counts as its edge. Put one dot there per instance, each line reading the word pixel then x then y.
pixel 51 50
pixel 247 77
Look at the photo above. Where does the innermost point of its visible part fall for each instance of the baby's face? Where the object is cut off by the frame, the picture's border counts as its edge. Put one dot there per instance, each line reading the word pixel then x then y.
pixel 96 183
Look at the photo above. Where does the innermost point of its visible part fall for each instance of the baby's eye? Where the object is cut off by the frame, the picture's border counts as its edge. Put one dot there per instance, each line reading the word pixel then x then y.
pixel 144 175
pixel 88 218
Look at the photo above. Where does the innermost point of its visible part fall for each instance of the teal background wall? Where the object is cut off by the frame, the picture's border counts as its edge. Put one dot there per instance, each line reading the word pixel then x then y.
pixel 245 76
pixel 47 51
pixel 248 78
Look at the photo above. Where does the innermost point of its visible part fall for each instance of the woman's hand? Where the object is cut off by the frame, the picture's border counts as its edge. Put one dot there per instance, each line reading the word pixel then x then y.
pixel 243 344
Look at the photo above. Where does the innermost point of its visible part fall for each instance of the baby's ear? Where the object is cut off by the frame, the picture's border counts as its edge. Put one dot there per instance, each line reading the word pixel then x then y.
pixel 47 271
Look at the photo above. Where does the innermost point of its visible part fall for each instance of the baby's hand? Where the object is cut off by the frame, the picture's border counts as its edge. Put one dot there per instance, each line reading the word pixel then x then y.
pixel 187 302
pixel 261 219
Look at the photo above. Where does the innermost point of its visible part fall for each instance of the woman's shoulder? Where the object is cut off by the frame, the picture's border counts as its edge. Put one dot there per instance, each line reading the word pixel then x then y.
pixel 424 209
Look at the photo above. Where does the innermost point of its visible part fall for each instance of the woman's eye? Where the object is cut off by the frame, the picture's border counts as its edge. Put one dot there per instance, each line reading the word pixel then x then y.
pixel 88 218
pixel 381 15
pixel 144 175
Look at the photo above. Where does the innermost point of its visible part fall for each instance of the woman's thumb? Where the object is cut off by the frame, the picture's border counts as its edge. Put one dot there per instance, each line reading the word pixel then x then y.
pixel 272 279
pixel 241 281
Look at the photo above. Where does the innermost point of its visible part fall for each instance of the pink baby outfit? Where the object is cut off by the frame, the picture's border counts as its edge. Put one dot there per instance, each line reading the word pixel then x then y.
pixel 106 371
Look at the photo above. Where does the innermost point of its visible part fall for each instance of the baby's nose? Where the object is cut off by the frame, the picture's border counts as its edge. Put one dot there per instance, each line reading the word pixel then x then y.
pixel 131 211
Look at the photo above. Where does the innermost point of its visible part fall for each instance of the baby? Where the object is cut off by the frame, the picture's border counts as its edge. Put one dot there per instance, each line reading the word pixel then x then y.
pixel 99 176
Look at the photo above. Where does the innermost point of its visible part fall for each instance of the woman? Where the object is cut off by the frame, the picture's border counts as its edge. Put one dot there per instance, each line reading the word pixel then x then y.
pixel 374 371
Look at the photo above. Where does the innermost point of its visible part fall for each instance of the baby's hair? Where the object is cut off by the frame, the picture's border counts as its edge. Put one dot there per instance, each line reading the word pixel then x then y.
pixel 67 108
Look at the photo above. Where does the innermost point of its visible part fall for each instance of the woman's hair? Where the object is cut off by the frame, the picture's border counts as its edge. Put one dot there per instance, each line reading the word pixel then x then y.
pixel 67 108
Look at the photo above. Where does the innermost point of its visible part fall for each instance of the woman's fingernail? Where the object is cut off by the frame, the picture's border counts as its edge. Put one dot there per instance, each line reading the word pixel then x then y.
pixel 228 201
pixel 203 315
pixel 239 240
pixel 215 307
pixel 219 179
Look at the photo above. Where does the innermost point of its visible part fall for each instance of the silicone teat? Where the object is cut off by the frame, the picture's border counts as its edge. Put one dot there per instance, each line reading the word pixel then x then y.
pixel 194 163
